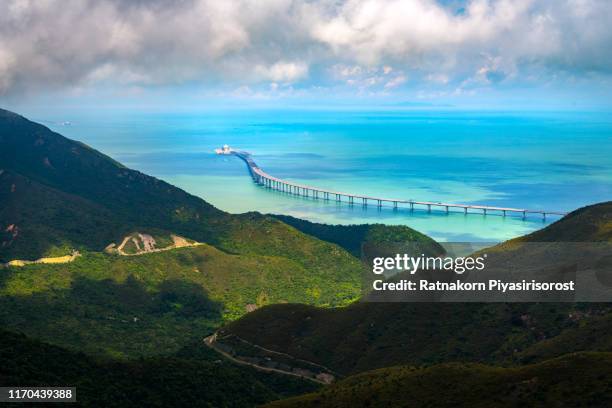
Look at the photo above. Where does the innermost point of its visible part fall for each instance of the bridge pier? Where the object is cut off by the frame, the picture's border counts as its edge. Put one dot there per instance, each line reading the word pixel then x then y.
pixel 484 211
pixel 524 214
pixel 428 208
pixel 504 213
pixel 351 200
pixel 447 209
pixel 411 206
pixel 544 216
pixel 465 210
pixel 379 203
pixel 395 205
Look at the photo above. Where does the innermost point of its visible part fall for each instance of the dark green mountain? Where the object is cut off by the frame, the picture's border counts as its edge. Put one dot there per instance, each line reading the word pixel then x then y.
pixel 194 377
pixel 575 380
pixel 368 335
pixel 354 238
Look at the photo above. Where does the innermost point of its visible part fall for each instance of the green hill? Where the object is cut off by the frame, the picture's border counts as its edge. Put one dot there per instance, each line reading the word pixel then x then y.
pixel 592 223
pixel 141 305
pixel 354 238
pixel 364 336
pixel 576 380
pixel 194 377
pixel 368 335
pixel 592 333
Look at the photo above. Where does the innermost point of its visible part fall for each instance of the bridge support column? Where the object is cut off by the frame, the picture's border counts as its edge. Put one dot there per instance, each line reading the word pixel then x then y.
pixel 465 210
pixel 395 205
pixel 411 206
pixel 544 216
pixel 364 202
pixel 379 203
pixel 524 214
pixel 447 209
pixel 351 200
pixel 504 213
pixel 484 211
pixel 428 208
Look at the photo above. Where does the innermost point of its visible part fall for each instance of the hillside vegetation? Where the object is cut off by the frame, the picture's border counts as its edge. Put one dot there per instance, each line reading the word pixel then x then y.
pixel 592 223
pixel 193 377
pixel 576 380
pixel 354 238
pixel 141 305
pixel 367 335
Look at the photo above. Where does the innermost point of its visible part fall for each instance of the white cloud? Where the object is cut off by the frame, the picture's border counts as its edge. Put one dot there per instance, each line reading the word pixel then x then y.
pixel 283 71
pixel 395 82
pixel 66 43
pixel 438 78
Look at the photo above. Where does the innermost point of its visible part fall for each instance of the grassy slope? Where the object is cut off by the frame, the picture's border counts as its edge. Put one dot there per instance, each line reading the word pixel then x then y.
pixel 186 379
pixel 590 333
pixel 573 380
pixel 175 295
pixel 354 237
pixel 592 223
pixel 364 336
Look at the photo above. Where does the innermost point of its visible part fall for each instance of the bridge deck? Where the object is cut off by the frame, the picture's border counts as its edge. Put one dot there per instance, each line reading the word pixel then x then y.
pixel 262 177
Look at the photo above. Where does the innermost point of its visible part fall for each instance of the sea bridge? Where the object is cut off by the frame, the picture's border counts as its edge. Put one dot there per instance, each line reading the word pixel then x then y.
pixel 264 179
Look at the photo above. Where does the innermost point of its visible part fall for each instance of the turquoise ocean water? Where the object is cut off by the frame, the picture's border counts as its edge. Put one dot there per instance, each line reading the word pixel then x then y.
pixel 555 161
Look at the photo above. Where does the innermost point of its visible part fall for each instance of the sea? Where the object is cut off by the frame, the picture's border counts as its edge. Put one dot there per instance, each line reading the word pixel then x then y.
pixel 555 161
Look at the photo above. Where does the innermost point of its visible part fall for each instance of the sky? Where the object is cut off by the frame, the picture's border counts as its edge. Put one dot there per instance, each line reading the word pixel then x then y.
pixel 160 53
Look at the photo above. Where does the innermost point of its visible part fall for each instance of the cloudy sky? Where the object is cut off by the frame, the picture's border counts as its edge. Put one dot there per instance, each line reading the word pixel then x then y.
pixel 418 51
